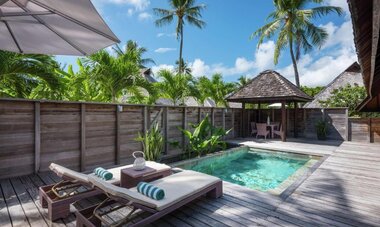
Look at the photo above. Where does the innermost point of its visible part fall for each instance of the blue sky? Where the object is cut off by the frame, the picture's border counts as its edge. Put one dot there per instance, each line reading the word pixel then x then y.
pixel 223 46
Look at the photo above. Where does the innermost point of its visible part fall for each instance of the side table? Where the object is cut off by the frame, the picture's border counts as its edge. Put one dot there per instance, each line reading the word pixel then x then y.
pixel 129 177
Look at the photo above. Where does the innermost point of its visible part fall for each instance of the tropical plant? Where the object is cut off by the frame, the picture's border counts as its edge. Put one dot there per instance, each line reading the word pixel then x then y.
pixel 312 91
pixel 204 138
pixel 152 142
pixel 214 88
pixel 322 127
pixel 291 23
pixel 134 53
pixel 185 66
pixel 174 87
pixel 21 73
pixel 242 81
pixel 347 96
pixel 116 75
pixel 184 11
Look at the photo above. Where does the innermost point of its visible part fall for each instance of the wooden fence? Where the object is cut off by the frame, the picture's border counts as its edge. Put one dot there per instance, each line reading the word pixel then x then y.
pixel 364 130
pixel 82 136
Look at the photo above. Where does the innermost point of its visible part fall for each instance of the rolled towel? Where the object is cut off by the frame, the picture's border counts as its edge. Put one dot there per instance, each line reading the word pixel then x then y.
pixel 150 190
pixel 103 173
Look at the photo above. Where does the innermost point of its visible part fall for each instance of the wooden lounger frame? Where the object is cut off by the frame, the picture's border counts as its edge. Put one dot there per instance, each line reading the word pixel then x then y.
pixel 59 205
pixel 91 217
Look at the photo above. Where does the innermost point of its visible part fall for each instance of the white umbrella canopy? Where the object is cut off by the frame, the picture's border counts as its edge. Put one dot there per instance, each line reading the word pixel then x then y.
pixel 276 105
pixel 54 27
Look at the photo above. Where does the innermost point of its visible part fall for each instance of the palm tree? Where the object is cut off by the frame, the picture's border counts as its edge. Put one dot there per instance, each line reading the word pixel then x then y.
pixel 185 67
pixel 21 73
pixel 215 88
pixel 175 87
pixel 133 52
pixel 116 75
pixel 291 23
pixel 242 81
pixel 184 11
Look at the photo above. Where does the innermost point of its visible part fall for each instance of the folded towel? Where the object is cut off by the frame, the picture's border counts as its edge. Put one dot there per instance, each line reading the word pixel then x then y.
pixel 150 190
pixel 103 173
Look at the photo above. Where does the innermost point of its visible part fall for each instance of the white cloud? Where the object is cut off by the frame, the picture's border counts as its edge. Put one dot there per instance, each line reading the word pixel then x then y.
pixel 264 56
pixel 130 12
pixel 139 5
pixel 162 50
pixel 159 35
pixel 157 68
pixel 199 68
pixel 342 36
pixel 321 71
pixel 144 16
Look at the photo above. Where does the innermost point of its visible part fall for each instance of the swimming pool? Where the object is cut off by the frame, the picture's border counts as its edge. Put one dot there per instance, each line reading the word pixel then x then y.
pixel 257 169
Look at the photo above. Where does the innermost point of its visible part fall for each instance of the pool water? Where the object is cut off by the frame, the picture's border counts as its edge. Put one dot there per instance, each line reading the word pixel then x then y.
pixel 256 169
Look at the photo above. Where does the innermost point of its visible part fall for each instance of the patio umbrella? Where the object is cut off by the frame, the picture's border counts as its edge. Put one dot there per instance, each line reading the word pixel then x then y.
pixel 54 27
pixel 276 105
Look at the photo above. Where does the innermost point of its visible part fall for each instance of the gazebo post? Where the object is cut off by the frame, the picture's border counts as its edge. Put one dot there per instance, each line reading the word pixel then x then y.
pixel 283 122
pixel 259 112
pixel 242 120
pixel 295 120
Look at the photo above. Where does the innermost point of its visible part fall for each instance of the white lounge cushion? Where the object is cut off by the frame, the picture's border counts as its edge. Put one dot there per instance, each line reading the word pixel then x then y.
pixel 179 186
pixel 120 192
pixel 62 171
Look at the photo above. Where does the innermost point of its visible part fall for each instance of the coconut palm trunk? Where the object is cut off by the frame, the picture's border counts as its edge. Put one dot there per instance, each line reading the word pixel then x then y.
pixel 180 66
pixel 294 61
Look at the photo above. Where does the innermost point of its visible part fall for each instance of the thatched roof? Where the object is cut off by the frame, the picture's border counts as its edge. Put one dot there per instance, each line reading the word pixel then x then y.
pixel 366 24
pixel 269 87
pixel 352 75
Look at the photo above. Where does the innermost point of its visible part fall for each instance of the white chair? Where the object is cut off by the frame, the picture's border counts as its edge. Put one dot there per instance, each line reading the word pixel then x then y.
pixel 262 130
pixel 278 131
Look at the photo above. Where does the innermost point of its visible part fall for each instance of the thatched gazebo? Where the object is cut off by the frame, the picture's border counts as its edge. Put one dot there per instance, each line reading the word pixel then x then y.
pixel 270 87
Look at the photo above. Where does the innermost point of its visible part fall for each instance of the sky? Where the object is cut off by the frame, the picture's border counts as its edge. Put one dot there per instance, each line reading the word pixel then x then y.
pixel 223 46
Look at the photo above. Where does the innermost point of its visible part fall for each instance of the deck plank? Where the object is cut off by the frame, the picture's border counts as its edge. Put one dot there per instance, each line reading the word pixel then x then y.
pixel 16 212
pixel 4 214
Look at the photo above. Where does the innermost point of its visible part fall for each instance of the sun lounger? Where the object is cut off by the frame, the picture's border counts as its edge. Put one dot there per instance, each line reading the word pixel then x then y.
pixel 138 210
pixel 75 186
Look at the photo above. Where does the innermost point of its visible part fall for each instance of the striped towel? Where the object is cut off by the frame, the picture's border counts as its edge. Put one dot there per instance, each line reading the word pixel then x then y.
pixel 103 173
pixel 150 190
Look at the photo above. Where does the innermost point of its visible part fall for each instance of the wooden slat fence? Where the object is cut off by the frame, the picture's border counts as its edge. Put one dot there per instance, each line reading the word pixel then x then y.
pixel 82 136
pixel 364 129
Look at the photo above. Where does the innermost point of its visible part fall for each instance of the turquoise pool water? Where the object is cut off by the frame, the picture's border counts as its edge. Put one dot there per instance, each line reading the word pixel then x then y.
pixel 255 169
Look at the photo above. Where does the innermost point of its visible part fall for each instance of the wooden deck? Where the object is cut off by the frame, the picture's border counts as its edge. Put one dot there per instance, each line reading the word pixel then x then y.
pixel 343 191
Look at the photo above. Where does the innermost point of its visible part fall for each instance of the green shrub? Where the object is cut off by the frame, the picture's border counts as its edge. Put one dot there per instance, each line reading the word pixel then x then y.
pixel 152 142
pixel 204 138
pixel 322 127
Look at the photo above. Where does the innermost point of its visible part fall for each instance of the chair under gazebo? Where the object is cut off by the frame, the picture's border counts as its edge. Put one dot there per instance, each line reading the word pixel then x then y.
pixel 270 87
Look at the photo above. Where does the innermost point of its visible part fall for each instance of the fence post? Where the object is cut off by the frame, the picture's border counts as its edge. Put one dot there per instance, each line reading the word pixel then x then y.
pixel 82 159
pixel 233 122
pixel 212 116
pixel 37 136
pixel 347 126
pixel 224 120
pixel 184 126
pixel 199 115
pixel 117 137
pixel 166 121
